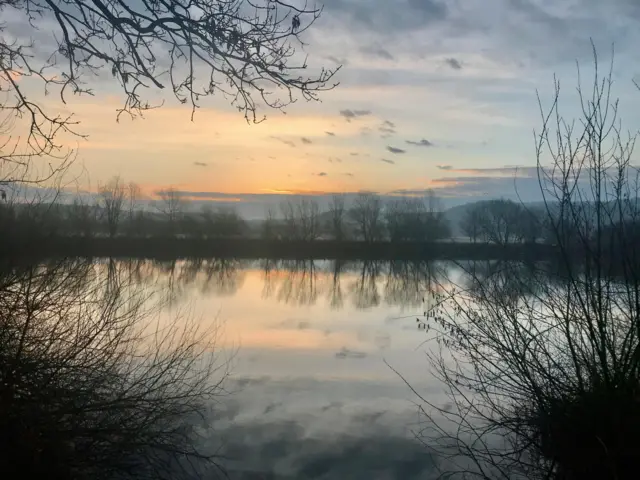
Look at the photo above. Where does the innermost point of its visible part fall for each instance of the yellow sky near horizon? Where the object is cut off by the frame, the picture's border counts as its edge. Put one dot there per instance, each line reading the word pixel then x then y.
pixel 219 151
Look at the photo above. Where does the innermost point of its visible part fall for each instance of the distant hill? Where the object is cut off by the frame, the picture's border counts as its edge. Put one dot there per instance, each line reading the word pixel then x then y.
pixel 456 214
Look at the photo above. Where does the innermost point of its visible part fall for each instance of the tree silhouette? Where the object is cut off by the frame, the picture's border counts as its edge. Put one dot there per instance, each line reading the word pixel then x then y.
pixel 112 197
pixel 366 213
pixel 93 385
pixel 542 367
pixel 243 51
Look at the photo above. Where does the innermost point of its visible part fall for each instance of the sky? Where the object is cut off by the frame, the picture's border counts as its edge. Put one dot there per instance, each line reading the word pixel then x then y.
pixel 433 94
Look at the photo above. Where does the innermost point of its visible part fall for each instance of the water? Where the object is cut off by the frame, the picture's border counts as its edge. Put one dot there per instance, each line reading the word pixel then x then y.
pixel 328 361
pixel 319 348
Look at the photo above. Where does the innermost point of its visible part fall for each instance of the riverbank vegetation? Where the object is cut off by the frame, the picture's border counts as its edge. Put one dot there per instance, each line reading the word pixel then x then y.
pixel 543 379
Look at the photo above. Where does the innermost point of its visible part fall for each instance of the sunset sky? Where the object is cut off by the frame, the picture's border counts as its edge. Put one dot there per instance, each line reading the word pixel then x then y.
pixel 432 94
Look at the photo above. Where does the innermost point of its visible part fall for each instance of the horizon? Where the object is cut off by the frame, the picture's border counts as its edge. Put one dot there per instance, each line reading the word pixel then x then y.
pixel 251 207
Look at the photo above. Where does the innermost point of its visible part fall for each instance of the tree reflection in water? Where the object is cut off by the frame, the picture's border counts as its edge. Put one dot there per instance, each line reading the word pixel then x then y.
pixel 508 281
pixel 173 278
pixel 336 295
pixel 404 284
pixel 364 289
pixel 223 276
pixel 408 282
pixel 362 284
pixel 299 285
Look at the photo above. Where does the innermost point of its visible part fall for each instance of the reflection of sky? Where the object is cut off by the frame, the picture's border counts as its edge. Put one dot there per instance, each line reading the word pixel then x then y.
pixel 309 376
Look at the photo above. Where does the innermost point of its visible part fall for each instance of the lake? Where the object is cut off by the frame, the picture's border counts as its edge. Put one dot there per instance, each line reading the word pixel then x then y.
pixel 313 348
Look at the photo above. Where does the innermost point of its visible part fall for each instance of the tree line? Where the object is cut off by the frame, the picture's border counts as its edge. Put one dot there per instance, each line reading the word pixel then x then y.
pixel 118 209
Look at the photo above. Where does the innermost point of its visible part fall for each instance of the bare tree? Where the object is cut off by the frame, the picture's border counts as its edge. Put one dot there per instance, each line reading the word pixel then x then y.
pixel 291 228
pixel 534 377
pixel 338 220
pixel 413 219
pixel 500 221
pixel 32 162
pixel 471 222
pixel 269 230
pixel 37 213
pixel 400 222
pixel 82 216
pixel 308 213
pixel 171 206
pixel 93 384
pixel 437 226
pixel 301 218
pixel 366 213
pixel 133 209
pixel 222 222
pixel 112 198
pixel 240 49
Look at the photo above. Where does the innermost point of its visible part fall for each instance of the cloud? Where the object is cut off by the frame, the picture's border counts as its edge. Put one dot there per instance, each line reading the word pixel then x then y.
pixel 387 127
pixel 395 150
pixel 213 197
pixel 336 60
pixel 509 171
pixel 284 140
pixel 514 34
pixel 198 194
pixel 387 161
pixel 468 184
pixel 201 164
pixel 349 114
pixel 421 143
pixel 485 187
pixel 345 353
pixel 453 63
pixel 354 154
pixel 383 16
pixel 365 131
pixel 306 141
pixel 486 184
pixel 377 51
pixel 331 134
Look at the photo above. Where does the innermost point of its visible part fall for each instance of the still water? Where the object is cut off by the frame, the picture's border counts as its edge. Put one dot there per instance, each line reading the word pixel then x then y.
pixel 313 348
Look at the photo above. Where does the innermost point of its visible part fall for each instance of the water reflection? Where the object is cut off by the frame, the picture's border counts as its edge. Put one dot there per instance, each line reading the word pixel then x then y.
pixel 294 282
pixel 407 282
pixel 298 282
pixel 215 276
pixel 339 283
pixel 310 381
